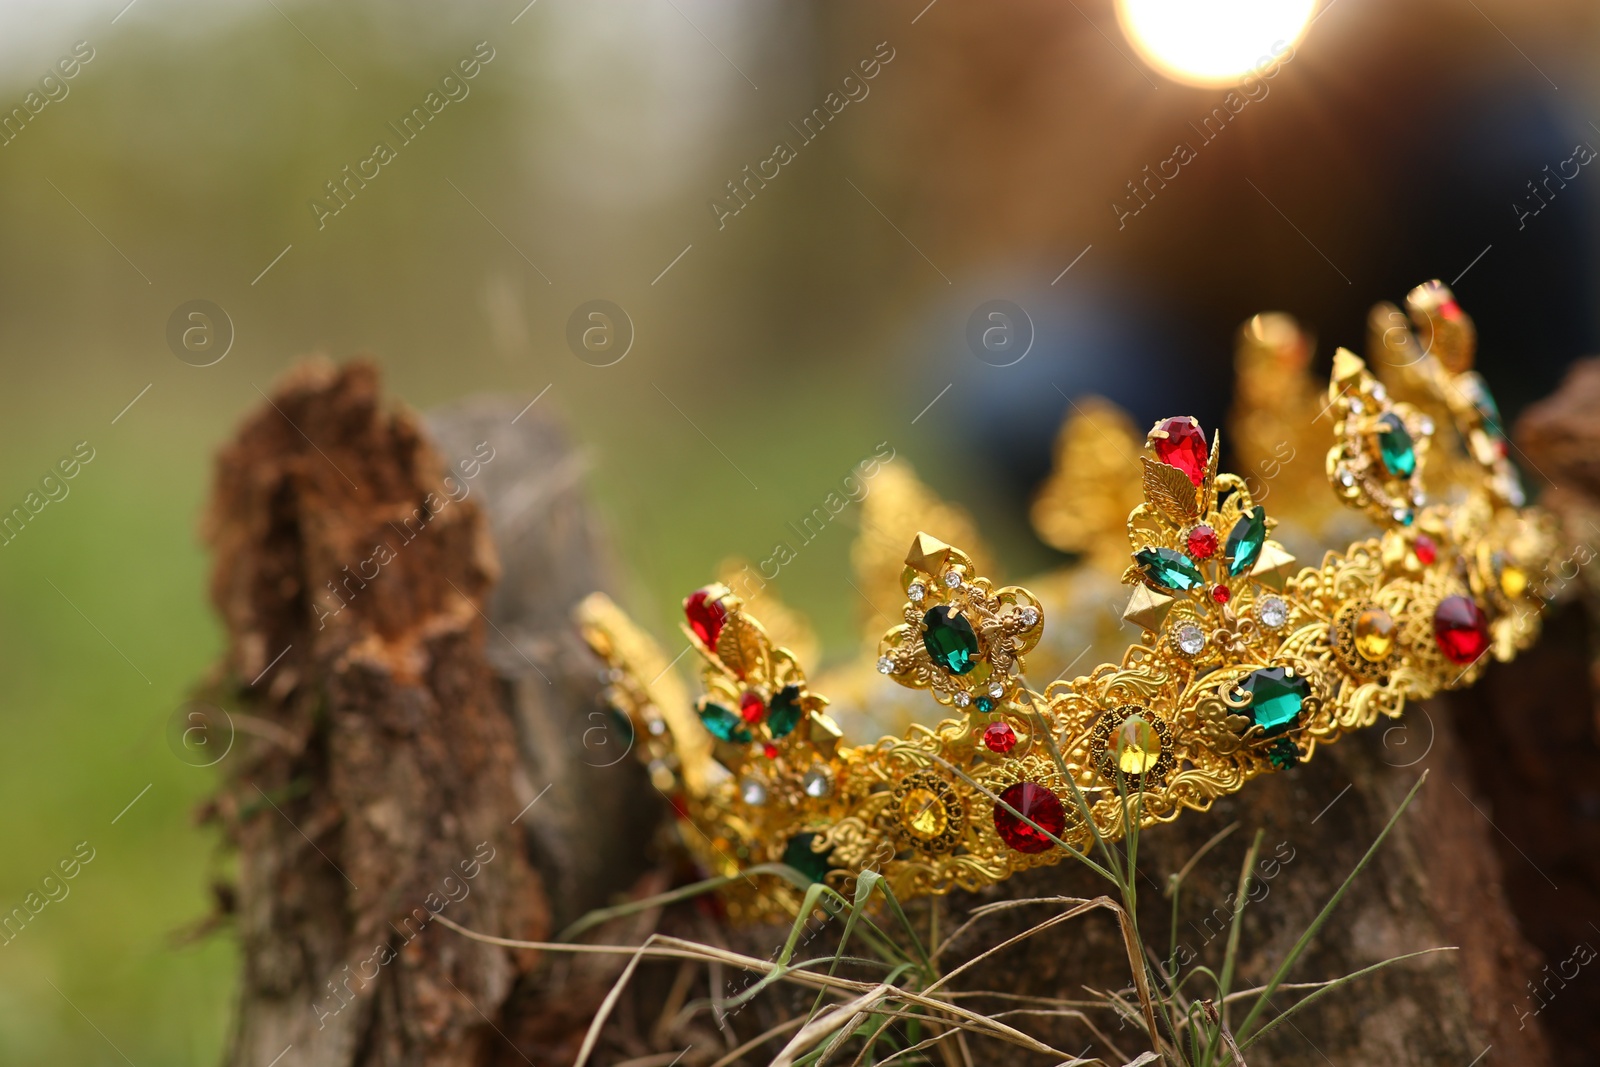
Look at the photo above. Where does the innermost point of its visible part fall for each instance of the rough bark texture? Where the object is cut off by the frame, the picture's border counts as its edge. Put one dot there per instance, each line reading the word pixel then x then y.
pixel 373 787
pixel 406 731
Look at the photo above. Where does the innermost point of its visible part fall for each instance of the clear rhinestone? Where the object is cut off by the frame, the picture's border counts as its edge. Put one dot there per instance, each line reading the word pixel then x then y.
pixel 1517 496
pixel 952 579
pixel 1190 639
pixel 753 791
pixel 661 775
pixel 885 665
pixel 1379 393
pixel 1401 514
pixel 657 727
pixel 1346 478
pixel 1273 612
pixel 817 782
pixel 1356 406
pixel 963 699
pixel 1418 497
pixel 916 591
pixel 997 689
pixel 1030 617
pixel 1425 424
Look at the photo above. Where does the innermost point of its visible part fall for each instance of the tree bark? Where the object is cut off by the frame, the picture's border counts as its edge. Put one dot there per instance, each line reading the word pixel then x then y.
pixel 373 783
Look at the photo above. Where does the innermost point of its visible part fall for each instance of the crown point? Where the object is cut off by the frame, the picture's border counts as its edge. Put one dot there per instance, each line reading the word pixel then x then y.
pixel 928 554
pixel 1347 368
pixel 1147 607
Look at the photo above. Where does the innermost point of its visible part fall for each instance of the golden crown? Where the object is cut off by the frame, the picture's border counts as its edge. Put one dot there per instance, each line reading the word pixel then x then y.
pixel 1247 661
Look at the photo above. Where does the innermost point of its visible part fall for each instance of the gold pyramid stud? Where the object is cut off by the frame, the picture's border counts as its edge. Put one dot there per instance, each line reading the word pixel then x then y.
pixel 928 553
pixel 1347 369
pixel 1147 607
pixel 1272 565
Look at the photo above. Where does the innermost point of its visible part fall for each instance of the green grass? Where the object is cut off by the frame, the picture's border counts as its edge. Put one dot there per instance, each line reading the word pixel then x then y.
pixel 83 735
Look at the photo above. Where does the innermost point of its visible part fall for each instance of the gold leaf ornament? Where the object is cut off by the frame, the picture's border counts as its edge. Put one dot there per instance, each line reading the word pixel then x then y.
pixel 744 649
pixel 1170 490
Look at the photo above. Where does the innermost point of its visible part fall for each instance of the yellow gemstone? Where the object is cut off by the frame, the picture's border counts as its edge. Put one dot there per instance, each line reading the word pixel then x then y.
pixel 1374 634
pixel 923 814
pixel 1137 745
pixel 1513 580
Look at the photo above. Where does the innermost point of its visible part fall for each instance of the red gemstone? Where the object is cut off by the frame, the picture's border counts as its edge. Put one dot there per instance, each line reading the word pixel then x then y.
pixel 1460 628
pixel 1038 804
pixel 1000 737
pixel 1202 542
pixel 769 750
pixel 1221 594
pixel 1450 310
pixel 1425 549
pixel 706 616
pixel 751 708
pixel 1184 447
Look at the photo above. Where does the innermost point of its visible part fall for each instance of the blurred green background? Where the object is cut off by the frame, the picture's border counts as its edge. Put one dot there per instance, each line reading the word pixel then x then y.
pixel 772 355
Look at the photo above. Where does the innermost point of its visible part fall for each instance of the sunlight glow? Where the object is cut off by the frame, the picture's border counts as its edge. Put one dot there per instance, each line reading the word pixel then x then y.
pixel 1212 42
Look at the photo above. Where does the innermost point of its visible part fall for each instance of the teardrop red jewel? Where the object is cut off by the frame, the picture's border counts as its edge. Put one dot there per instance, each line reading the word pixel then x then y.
pixel 706 616
pixel 751 707
pixel 1038 804
pixel 1425 549
pixel 1461 630
pixel 1184 447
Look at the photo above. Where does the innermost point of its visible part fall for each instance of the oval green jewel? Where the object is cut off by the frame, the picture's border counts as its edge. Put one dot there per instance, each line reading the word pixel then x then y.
pixel 783 714
pixel 1169 568
pixel 724 725
pixel 1395 446
pixel 1275 697
pixel 984 704
pixel 1244 543
pixel 950 640
pixel 797 854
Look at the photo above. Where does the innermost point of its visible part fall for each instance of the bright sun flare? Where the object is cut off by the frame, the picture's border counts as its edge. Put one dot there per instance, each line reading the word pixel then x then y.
pixel 1211 42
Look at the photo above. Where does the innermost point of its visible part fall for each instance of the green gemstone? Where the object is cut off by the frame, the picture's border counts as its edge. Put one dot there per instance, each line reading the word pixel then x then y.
pixel 724 725
pixel 1396 447
pixel 984 704
pixel 1244 543
pixel 950 640
pixel 1169 568
pixel 1275 697
pixel 1283 753
pixel 783 714
pixel 798 854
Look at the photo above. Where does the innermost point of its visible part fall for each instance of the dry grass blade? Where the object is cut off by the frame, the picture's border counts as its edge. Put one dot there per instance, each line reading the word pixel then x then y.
pixel 661 946
pixel 837 1023
pixel 1082 906
pixel 1221 1027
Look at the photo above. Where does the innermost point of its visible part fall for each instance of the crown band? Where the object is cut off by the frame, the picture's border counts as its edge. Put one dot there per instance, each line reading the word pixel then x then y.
pixel 1247 661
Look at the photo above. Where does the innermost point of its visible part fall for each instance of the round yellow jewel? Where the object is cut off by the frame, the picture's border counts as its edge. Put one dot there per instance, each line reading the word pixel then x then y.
pixel 1137 745
pixel 1513 581
pixel 1374 634
pixel 923 814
